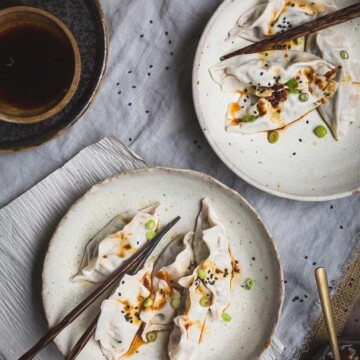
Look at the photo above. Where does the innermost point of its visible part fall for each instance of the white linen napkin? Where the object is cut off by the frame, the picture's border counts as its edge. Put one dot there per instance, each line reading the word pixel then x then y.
pixel 26 226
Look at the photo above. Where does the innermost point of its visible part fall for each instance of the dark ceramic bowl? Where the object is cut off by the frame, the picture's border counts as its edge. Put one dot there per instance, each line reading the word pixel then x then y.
pixel 86 21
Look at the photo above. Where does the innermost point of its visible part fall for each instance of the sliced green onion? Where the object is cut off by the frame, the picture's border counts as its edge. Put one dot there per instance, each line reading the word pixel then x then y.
pixel 175 303
pixel 320 131
pixel 304 97
pixel 150 225
pixel 226 317
pixel 292 84
pixel 299 41
pixel 151 336
pixel 150 235
pixel 201 273
pixel 294 91
pixel 249 283
pixel 344 54
pixel 205 302
pixel 273 137
pixel 147 302
pixel 248 118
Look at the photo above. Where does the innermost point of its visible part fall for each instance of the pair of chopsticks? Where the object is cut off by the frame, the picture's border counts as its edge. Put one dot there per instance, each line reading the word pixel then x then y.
pixel 135 262
pixel 334 18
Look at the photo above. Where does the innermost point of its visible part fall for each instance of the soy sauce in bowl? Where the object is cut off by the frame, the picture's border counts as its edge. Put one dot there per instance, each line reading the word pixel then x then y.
pixel 36 67
pixel 40 65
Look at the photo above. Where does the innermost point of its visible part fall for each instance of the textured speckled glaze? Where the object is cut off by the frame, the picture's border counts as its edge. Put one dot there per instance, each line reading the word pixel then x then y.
pixel 300 166
pixel 86 21
pixel 255 313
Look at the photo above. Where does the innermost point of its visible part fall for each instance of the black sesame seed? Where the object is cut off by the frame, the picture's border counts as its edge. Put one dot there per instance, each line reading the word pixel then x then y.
pixel 253 258
pixel 117 84
pixel 119 92
pixel 129 104
pixel 129 72
pixel 119 293
pixel 314 263
pixel 261 74
pixel 142 35
pixel 151 21
pixel 130 139
pixel 341 227
pixel 167 68
pixel 149 74
pixel 123 282
pixel 134 87
pixel 331 206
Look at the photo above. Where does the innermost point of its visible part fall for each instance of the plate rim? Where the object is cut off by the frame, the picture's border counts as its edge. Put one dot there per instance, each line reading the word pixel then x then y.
pixel 217 149
pixel 95 92
pixel 188 172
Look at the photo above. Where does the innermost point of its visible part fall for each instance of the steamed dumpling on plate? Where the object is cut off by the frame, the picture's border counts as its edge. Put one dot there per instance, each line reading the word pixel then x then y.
pixel 340 109
pixel 275 88
pixel 276 16
pixel 159 316
pixel 119 319
pixel 118 241
pixel 209 287
pixel 187 332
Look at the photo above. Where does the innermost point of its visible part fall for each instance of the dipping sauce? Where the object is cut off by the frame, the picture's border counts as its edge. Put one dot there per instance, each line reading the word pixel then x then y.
pixel 347 352
pixel 36 67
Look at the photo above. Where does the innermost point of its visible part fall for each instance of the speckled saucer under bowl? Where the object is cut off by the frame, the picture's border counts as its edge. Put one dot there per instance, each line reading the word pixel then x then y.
pixel 300 166
pixel 255 312
pixel 86 21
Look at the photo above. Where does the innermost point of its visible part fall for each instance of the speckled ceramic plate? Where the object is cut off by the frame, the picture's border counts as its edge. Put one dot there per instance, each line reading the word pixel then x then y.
pixel 255 313
pixel 300 166
pixel 86 21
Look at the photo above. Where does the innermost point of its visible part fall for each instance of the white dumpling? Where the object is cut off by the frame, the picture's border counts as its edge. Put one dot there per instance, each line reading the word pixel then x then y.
pixel 205 220
pixel 213 254
pixel 218 269
pixel 339 110
pixel 265 100
pixel 277 16
pixel 118 241
pixel 187 332
pixel 161 314
pixel 119 319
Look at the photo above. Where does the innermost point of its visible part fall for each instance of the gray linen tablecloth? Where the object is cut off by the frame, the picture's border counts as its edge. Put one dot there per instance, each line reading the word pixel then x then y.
pixel 146 102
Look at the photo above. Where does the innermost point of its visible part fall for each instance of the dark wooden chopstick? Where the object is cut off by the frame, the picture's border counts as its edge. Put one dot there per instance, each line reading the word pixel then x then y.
pixel 143 253
pixel 334 18
pixel 90 331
